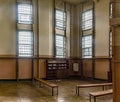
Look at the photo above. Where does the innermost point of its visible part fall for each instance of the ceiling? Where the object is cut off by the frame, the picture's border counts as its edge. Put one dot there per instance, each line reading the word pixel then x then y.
pixel 75 1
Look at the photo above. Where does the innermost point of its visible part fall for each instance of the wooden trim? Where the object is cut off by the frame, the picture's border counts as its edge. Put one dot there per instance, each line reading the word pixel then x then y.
pixel 25 79
pixel 44 56
pixel 115 1
pixel 114 21
pixel 14 57
pixel 74 58
pixel 8 57
pixel 102 57
pixel 116 61
pixel 51 57
pixel 96 58
pixel 87 58
pixel 7 80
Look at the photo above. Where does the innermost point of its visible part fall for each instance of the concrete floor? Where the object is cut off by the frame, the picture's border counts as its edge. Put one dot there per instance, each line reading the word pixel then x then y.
pixel 28 92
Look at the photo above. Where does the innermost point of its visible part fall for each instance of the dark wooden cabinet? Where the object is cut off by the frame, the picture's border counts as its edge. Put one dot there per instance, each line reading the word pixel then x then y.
pixel 55 67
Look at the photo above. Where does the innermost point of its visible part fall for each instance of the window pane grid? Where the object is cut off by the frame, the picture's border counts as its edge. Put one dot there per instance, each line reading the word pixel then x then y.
pixel 87 20
pixel 60 46
pixel 25 41
pixel 25 13
pixel 87 52
pixel 60 20
pixel 87 46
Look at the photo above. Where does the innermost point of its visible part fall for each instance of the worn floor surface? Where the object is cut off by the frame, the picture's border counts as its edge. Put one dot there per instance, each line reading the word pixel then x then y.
pixel 29 92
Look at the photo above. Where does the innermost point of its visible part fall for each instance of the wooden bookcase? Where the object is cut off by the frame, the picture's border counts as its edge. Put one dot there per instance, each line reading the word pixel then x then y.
pixel 55 66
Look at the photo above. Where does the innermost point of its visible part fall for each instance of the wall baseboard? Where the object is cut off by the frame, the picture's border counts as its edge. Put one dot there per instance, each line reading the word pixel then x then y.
pixel 8 80
pixel 15 80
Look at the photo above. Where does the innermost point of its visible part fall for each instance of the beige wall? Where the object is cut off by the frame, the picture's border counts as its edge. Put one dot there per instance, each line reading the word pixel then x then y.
pixel 45 27
pixel 7 27
pixel 75 36
pixel 102 28
pixel 73 33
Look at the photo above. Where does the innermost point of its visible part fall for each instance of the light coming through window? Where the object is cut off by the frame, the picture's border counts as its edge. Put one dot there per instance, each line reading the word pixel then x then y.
pixel 87 20
pixel 60 20
pixel 87 46
pixel 25 43
pixel 25 13
pixel 60 46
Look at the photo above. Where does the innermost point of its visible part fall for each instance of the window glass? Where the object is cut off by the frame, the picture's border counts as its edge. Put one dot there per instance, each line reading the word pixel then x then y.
pixel 60 46
pixel 87 46
pixel 25 43
pixel 87 20
pixel 25 13
pixel 60 19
